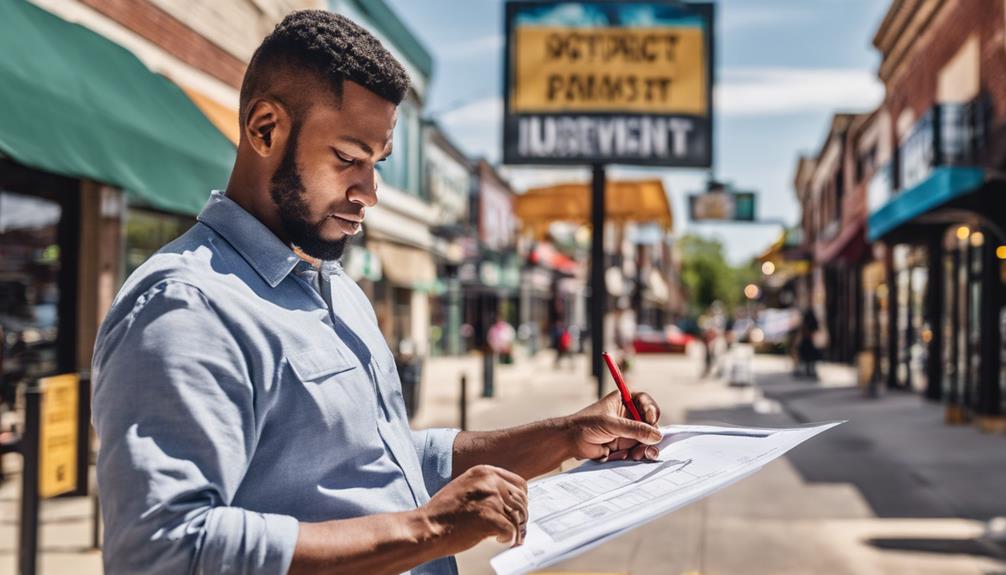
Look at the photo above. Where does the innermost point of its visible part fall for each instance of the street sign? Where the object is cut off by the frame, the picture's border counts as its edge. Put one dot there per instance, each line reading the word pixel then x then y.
pixel 722 206
pixel 608 82
pixel 58 444
pixel 721 203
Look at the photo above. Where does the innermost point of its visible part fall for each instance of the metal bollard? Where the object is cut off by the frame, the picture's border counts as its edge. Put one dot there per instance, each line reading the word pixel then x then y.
pixel 488 372
pixel 464 402
pixel 96 522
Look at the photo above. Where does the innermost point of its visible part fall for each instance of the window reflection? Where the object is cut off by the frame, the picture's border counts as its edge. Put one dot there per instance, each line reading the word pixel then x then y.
pixel 29 287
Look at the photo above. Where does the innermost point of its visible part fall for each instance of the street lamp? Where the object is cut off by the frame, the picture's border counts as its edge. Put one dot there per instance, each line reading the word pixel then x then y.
pixel 751 291
pixel 768 268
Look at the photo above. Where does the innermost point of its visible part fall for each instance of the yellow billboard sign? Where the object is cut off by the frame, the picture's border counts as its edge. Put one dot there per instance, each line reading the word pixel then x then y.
pixel 656 70
pixel 58 440
pixel 596 82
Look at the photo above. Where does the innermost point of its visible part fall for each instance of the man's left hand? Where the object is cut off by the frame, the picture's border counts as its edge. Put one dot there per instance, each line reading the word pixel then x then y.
pixel 606 432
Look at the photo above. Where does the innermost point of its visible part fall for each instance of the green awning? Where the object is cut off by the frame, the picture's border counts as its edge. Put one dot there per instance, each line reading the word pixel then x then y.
pixel 77 104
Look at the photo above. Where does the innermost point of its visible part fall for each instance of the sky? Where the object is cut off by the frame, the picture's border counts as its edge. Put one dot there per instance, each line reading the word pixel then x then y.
pixel 782 68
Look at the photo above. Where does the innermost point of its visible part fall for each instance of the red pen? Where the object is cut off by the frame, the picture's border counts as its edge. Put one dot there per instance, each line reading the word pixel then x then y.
pixel 624 389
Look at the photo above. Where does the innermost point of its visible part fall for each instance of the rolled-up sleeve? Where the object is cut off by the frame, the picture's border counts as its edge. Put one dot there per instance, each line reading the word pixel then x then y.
pixel 435 448
pixel 174 409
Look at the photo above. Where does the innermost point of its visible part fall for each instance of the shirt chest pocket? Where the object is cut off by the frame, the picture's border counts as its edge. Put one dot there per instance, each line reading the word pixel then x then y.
pixel 332 389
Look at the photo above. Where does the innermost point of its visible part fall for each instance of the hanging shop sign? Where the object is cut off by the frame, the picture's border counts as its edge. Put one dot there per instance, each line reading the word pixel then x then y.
pixel 721 203
pixel 608 82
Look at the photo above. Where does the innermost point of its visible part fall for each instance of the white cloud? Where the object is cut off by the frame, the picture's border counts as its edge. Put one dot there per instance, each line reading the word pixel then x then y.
pixel 477 127
pixel 781 91
pixel 475 113
pixel 471 49
pixel 736 17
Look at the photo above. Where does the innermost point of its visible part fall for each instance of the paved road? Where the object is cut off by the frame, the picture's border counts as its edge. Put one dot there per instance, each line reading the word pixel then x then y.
pixel 854 501
pixel 796 516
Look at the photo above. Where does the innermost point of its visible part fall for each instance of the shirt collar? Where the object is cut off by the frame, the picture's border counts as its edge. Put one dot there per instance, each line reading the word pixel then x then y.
pixel 264 252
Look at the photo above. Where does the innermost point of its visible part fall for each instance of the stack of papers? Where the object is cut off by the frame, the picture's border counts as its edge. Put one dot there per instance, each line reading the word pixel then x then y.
pixel 572 512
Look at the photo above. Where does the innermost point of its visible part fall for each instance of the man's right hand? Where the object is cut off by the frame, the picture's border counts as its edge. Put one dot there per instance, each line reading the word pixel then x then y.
pixel 484 501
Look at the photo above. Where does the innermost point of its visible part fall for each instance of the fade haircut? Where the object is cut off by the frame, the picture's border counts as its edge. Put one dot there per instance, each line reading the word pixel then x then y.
pixel 317 47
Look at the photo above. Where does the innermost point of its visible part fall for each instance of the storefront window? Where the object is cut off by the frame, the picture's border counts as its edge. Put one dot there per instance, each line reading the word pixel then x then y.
pixel 881 303
pixel 964 307
pixel 29 288
pixel 911 273
pixel 148 231
pixel 974 335
pixel 1002 338
pixel 950 323
pixel 919 338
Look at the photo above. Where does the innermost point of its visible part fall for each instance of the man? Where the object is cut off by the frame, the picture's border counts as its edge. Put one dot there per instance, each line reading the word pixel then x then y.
pixel 248 407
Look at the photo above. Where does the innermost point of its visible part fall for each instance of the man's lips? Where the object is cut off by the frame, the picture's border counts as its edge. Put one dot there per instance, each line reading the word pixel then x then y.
pixel 349 225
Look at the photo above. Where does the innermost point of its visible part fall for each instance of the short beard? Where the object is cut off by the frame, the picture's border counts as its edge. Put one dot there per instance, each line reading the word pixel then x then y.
pixel 287 192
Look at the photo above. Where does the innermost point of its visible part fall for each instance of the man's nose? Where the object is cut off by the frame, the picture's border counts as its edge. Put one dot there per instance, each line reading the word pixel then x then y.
pixel 364 189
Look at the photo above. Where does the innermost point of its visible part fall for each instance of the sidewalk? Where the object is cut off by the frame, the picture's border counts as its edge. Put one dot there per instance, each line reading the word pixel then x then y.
pixel 891 491
pixel 787 518
pixel 529 389
pixel 898 452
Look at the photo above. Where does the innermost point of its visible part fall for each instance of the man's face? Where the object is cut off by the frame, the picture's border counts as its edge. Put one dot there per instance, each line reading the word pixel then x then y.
pixel 326 178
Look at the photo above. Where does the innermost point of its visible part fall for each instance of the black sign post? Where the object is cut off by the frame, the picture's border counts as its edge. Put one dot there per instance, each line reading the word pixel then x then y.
pixel 28 539
pixel 598 289
pixel 598 82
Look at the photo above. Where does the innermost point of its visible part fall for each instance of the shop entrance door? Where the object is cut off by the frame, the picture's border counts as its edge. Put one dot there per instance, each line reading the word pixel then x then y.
pixel 39 219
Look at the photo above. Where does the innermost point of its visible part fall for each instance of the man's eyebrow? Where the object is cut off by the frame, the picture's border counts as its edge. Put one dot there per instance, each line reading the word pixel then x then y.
pixel 358 142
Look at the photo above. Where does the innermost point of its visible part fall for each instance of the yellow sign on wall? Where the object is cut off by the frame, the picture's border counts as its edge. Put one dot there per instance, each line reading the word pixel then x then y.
pixel 658 70
pixel 58 441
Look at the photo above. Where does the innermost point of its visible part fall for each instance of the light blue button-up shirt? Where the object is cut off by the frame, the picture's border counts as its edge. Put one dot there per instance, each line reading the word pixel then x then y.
pixel 239 390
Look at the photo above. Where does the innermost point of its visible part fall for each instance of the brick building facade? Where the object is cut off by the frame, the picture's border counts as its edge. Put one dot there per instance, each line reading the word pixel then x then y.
pixel 924 199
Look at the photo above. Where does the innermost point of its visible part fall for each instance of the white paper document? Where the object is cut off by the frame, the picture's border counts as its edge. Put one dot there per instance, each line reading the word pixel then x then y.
pixel 584 507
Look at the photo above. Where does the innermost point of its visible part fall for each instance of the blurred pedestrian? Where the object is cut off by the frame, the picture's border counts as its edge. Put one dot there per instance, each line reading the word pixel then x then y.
pixel 500 338
pixel 807 351
pixel 562 341
pixel 625 332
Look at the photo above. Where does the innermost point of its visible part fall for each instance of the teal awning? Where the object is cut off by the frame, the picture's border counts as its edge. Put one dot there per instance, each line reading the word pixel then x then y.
pixel 943 184
pixel 77 104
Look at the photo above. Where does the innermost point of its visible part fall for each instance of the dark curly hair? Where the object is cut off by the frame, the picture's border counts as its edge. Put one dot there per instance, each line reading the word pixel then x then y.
pixel 328 47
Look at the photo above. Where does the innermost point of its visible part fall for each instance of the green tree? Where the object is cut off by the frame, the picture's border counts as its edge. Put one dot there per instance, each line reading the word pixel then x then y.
pixel 708 277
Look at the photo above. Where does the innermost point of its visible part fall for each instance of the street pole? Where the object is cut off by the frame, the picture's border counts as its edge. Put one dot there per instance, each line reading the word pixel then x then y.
pixel 598 291
pixel 28 540
pixel 488 369
pixel 463 403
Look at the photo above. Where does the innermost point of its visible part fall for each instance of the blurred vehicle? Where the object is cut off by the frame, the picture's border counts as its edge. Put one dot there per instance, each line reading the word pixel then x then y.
pixel 772 330
pixel 742 328
pixel 28 335
pixel 669 340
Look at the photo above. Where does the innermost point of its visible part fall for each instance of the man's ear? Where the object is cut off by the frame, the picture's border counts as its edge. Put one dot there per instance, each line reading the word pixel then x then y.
pixel 266 126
